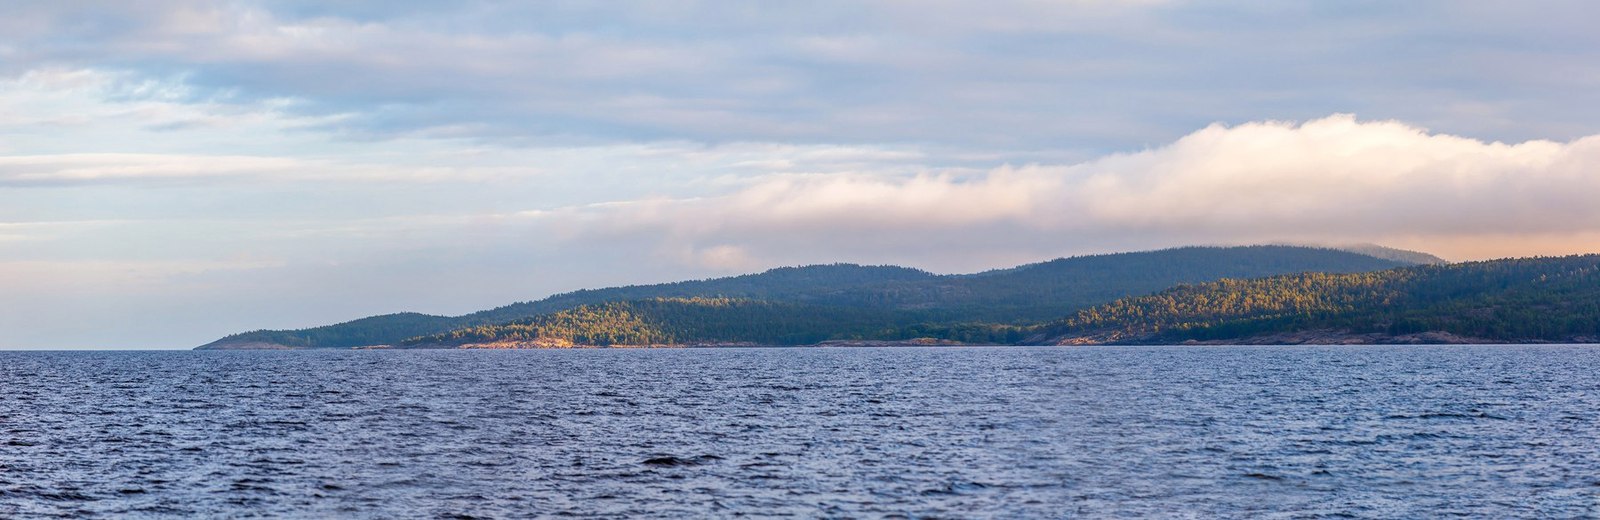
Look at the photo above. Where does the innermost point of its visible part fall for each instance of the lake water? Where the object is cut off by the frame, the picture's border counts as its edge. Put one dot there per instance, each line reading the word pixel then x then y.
pixel 1396 432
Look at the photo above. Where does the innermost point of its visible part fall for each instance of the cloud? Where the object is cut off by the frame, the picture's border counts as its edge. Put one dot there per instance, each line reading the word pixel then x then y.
pixel 76 127
pixel 1339 175
pixel 111 168
pixel 82 110
pixel 1331 180
pixel 721 258
pixel 1023 75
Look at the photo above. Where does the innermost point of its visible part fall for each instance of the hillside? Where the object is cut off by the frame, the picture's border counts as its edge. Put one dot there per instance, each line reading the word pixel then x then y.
pixel 1398 255
pixel 1045 291
pixel 700 321
pixel 374 330
pixel 785 283
pixel 1514 300
pixel 1020 295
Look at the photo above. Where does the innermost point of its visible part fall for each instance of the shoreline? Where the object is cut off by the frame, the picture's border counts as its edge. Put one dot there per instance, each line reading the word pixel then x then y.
pixel 1307 338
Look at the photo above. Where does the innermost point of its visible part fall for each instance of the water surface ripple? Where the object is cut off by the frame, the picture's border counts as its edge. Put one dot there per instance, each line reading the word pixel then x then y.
pixel 1295 432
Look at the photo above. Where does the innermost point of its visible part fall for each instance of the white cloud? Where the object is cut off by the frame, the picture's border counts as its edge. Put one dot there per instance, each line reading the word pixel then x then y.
pixel 107 168
pixel 1331 180
pixel 1339 175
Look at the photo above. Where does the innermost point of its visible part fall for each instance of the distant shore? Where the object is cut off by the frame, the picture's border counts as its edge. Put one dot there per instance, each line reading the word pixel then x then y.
pixel 1314 337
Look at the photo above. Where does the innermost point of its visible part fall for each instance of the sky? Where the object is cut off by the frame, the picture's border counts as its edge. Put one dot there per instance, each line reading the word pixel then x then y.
pixel 175 171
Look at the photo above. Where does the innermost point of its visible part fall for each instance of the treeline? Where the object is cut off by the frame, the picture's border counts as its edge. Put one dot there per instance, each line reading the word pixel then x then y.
pixel 374 330
pixel 960 307
pixel 1046 291
pixel 665 321
pixel 1516 300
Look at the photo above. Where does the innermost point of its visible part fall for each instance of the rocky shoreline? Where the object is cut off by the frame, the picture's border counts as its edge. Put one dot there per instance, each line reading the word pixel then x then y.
pixel 1332 337
pixel 1311 337
pixel 551 343
pixel 560 343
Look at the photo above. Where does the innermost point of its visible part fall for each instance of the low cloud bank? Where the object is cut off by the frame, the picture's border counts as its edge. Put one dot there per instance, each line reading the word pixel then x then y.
pixel 1335 179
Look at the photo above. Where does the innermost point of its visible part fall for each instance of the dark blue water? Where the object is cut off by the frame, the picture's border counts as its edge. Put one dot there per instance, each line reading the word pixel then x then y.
pixel 1398 432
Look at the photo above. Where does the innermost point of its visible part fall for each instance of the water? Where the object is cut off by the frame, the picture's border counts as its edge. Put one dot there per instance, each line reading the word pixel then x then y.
pixel 1399 432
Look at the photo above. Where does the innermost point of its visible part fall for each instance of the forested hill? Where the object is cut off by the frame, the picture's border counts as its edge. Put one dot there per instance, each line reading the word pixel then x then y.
pixel 676 321
pixel 1399 255
pixel 375 330
pixel 1021 295
pixel 646 322
pixel 807 283
pixel 1046 291
pixel 1515 300
pixel 784 283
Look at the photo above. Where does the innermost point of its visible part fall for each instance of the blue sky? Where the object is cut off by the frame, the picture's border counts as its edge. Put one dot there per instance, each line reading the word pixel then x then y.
pixel 175 171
